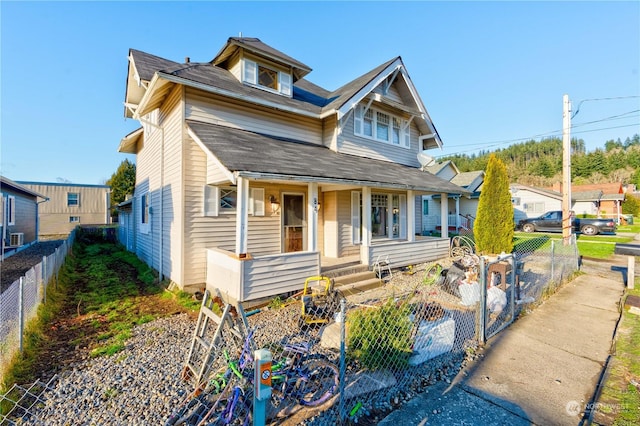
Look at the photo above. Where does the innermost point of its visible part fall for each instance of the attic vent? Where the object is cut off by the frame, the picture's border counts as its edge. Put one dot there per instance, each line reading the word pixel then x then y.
pixel 16 239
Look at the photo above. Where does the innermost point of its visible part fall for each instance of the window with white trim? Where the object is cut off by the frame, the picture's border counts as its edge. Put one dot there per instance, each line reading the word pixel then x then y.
pixel 11 210
pixel 74 219
pixel 266 78
pixel 224 200
pixel 145 210
pixel 380 126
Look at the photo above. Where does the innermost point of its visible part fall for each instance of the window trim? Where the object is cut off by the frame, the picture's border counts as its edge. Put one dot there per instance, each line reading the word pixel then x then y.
pixel 11 210
pixel 77 203
pixel 145 213
pixel 359 118
pixel 251 73
pixel 74 217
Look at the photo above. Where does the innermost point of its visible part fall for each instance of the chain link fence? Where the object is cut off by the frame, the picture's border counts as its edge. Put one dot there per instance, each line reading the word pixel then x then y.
pixel 19 302
pixel 346 357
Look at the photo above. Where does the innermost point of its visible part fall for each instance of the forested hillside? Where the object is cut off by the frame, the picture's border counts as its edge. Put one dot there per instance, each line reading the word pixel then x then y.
pixel 539 163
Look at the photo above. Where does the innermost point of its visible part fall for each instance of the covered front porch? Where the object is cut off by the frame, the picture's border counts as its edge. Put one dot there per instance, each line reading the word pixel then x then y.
pixel 243 277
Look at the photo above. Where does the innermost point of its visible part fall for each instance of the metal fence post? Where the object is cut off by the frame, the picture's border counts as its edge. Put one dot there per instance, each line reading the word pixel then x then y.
pixel 43 277
pixel 21 312
pixel 343 317
pixel 552 260
pixel 481 313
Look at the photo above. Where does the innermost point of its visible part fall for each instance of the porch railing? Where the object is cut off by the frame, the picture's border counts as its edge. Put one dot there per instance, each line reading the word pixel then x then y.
pixel 259 277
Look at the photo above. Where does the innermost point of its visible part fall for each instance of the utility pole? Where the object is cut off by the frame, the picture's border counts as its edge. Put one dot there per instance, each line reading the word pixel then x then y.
pixel 566 170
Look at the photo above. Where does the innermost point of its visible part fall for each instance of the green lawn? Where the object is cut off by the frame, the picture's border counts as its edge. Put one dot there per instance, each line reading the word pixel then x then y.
pixel 597 246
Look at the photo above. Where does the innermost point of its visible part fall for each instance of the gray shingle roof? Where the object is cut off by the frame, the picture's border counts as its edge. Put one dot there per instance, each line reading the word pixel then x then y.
pixel 307 96
pixel 256 45
pixel 244 151
pixel 466 178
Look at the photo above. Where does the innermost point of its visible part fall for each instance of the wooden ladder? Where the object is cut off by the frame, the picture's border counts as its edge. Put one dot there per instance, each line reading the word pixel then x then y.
pixel 230 328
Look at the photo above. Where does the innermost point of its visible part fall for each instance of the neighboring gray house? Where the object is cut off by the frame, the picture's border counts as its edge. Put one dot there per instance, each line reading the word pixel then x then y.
pixel 460 210
pixel 18 215
pixel 250 178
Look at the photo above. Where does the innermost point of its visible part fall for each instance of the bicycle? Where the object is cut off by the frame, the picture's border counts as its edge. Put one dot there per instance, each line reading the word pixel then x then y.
pixel 308 379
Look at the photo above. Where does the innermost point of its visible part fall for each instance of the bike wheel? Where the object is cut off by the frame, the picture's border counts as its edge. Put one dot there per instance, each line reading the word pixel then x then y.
pixel 317 382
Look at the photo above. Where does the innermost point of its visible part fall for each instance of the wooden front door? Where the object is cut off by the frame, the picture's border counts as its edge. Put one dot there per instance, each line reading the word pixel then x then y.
pixel 293 222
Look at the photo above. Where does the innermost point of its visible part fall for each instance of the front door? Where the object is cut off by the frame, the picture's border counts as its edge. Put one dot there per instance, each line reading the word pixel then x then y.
pixel 293 222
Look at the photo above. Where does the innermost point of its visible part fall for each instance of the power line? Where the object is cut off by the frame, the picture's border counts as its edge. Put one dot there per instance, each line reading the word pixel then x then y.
pixel 601 99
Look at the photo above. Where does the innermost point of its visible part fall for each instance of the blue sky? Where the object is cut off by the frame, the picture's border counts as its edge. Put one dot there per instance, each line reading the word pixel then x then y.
pixel 490 73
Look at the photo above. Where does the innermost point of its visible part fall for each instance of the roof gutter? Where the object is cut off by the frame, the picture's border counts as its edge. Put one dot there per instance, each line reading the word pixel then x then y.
pixel 227 93
pixel 277 176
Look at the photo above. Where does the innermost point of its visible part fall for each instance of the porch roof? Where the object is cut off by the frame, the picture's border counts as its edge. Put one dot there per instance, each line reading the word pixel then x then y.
pixel 256 155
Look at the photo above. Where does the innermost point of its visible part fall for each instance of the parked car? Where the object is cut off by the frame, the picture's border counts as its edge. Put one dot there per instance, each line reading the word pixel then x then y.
pixel 552 222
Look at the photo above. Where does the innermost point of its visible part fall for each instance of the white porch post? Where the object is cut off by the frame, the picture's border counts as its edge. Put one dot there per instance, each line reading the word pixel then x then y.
pixel 444 215
pixel 242 216
pixel 411 216
pixel 366 225
pixel 312 217
pixel 457 213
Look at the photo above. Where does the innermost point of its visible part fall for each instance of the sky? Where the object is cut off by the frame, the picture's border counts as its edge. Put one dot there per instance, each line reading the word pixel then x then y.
pixel 491 74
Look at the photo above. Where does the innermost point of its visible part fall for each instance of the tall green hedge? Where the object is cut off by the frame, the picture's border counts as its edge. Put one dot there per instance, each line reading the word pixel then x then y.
pixel 494 227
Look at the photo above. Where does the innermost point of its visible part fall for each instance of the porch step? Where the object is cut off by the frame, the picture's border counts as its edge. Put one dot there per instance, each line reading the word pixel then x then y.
pixel 358 286
pixel 343 270
pixel 357 281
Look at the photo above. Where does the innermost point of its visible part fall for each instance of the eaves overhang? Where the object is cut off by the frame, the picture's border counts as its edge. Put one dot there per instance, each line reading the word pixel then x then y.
pixel 130 143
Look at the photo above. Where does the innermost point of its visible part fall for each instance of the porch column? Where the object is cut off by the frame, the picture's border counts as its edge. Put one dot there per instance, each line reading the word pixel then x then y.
pixel 411 216
pixel 444 215
pixel 242 216
pixel 457 213
pixel 312 217
pixel 366 225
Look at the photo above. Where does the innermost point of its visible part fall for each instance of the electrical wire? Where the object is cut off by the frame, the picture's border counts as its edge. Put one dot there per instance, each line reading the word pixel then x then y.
pixel 601 99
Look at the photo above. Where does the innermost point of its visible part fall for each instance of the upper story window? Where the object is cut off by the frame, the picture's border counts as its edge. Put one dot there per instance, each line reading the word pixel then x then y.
pixel 266 78
pixel 380 126
pixel 73 199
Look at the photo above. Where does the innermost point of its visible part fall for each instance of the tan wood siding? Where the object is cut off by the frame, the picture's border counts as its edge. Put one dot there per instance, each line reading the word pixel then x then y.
pixel 259 277
pixel 208 108
pixel 330 132
pixel 403 253
pixel 55 214
pixel 346 247
pixel 171 118
pixel 215 173
pixel 349 143
pixel 330 225
pixel 278 274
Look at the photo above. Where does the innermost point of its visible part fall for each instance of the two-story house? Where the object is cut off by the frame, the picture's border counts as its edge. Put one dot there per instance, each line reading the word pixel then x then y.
pixel 70 205
pixel 250 178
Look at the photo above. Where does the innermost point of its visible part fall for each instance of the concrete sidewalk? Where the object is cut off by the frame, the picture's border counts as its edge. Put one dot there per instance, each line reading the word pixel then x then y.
pixel 541 370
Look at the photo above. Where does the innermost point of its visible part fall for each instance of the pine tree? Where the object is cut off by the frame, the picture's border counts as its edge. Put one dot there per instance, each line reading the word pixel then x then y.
pixel 493 228
pixel 122 183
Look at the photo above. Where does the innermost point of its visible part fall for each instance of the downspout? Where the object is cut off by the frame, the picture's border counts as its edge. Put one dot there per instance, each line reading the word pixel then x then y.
pixel 38 217
pixel 160 263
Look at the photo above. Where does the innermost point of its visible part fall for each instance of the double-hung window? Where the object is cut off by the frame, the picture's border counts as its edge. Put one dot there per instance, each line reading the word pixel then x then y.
pixel 11 210
pixel 145 222
pixel 380 126
pixel 73 199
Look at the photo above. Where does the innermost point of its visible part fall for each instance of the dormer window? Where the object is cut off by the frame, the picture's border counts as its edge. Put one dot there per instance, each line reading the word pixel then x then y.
pixel 380 126
pixel 266 78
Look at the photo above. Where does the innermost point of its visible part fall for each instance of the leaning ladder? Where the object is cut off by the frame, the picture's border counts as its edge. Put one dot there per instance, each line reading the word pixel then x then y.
pixel 205 347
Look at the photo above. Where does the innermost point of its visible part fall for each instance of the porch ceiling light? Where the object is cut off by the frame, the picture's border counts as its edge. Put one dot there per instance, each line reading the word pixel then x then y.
pixel 275 204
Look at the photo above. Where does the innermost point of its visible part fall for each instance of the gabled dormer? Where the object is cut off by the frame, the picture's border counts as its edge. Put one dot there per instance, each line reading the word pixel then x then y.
pixel 258 65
